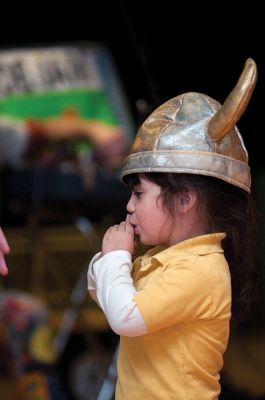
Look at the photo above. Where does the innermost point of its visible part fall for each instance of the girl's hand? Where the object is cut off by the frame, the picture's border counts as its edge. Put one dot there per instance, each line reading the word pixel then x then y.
pixel 119 237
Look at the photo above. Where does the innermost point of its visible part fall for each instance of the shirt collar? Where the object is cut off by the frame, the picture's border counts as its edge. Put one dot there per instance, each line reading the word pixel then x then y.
pixel 199 245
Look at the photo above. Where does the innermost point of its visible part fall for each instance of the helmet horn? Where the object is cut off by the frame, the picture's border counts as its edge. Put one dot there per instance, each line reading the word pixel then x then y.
pixel 235 104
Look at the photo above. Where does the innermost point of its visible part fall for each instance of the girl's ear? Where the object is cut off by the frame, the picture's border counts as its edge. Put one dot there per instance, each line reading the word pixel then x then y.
pixel 186 201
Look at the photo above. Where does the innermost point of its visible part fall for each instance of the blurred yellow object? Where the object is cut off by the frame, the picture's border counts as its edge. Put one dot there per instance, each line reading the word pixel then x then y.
pixel 41 345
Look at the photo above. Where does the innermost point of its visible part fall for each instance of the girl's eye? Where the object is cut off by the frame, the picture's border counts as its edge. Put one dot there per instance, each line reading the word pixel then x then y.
pixel 137 194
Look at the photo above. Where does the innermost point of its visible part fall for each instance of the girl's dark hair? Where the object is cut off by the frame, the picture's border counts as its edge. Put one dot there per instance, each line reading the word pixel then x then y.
pixel 226 208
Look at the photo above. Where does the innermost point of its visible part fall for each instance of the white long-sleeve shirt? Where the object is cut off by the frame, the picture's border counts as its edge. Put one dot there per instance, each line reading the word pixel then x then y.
pixel 110 284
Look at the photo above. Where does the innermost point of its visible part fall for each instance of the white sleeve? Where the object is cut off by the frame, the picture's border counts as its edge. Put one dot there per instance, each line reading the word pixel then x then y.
pixel 111 285
pixel 91 283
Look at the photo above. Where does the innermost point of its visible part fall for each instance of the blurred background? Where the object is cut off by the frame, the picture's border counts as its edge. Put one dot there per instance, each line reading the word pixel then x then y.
pixel 63 68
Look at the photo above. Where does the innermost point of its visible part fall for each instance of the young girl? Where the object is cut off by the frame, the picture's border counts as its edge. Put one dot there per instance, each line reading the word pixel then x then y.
pixel 190 180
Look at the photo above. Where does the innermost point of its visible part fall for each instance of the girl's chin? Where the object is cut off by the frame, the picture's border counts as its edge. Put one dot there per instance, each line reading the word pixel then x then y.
pixel 144 241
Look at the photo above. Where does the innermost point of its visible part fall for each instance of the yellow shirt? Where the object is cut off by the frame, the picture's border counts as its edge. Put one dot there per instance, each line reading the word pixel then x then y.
pixel 184 296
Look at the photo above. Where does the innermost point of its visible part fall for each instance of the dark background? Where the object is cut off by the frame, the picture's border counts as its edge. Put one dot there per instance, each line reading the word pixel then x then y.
pixel 161 49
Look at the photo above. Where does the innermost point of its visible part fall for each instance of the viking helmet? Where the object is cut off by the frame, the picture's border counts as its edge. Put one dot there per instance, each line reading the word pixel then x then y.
pixel 192 133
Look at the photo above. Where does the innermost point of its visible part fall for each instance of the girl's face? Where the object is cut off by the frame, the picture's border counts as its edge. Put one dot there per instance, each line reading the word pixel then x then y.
pixel 150 220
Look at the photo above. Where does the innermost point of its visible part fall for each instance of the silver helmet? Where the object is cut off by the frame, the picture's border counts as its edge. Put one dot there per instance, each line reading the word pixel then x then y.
pixel 192 133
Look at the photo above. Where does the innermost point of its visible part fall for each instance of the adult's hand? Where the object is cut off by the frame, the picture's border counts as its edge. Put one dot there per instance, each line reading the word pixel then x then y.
pixel 4 249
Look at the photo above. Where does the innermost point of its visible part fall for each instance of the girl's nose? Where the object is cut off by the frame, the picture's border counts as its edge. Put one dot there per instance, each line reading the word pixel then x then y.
pixel 130 207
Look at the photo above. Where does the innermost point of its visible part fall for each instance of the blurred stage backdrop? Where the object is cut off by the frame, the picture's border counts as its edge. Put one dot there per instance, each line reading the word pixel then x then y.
pixel 55 206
